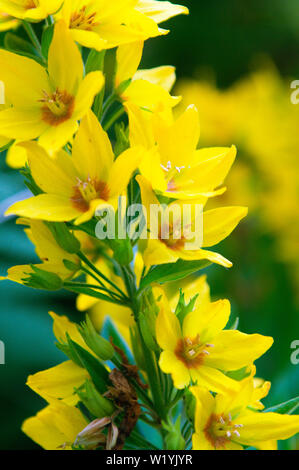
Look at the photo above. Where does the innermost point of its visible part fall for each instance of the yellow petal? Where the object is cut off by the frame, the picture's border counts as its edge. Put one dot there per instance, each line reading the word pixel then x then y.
pixel 234 350
pixel 207 320
pixel 214 380
pixel 45 207
pixel 141 128
pixel 88 89
pixel 53 175
pixel 158 253
pixel 62 326
pixel 168 330
pixel 163 76
pixel 177 142
pixel 160 11
pixel 266 426
pixel 170 364
pixel 57 137
pixel 90 143
pixel 24 79
pixel 200 442
pixel 122 170
pixel 219 223
pixel 193 255
pixel 205 407
pixel 18 124
pixel 128 58
pixel 150 96
pixel 59 381
pixel 55 426
pixel 89 39
pixel 210 171
pixel 150 167
pixel 16 156
pixel 64 62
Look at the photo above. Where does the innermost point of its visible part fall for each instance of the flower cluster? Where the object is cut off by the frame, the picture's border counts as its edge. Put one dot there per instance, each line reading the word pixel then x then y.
pixel 267 185
pixel 153 345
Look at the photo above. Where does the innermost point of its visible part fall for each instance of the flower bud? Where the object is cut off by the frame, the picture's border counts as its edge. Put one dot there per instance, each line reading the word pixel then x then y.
pixel 94 401
pixel 99 345
pixel 40 279
pixel 174 439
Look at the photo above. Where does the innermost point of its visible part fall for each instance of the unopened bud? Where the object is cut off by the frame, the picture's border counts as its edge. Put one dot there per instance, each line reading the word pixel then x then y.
pixel 40 279
pixel 94 401
pixel 99 345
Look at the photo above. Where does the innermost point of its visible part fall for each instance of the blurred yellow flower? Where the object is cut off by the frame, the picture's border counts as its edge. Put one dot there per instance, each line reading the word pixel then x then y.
pixel 149 89
pixel 47 249
pixel 257 115
pixel 31 10
pixel 7 22
pixel 104 24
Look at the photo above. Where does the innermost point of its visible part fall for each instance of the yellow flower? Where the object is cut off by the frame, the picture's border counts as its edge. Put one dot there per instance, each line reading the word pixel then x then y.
pixel 75 186
pixel 226 423
pixel 59 382
pixel 160 11
pixel 47 105
pixel 47 249
pixel 32 10
pixel 200 350
pixel 105 24
pixel 217 224
pixel 56 426
pixel 149 89
pixel 175 167
pixel 7 22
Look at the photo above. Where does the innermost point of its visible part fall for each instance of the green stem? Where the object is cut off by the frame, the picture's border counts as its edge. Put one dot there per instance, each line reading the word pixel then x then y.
pixel 33 37
pixel 113 119
pixel 94 268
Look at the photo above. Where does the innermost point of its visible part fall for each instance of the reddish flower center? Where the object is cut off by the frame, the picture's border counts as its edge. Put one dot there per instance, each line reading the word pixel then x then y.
pixel 83 20
pixel 191 351
pixel 87 191
pixel 220 430
pixel 57 107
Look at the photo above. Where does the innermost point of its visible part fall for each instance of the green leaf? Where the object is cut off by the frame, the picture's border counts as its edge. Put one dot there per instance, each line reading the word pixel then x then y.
pixel 14 43
pixel 95 61
pixel 46 40
pixel 95 368
pixel 172 272
pixel 287 408
pixel 91 293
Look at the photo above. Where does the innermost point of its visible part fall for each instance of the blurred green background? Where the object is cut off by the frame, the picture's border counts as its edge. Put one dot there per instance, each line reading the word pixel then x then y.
pixel 218 37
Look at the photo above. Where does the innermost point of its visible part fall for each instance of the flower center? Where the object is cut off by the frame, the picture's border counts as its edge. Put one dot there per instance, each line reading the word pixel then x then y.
pixel 87 191
pixel 191 351
pixel 172 173
pixel 220 430
pixel 83 20
pixel 57 107
pixel 29 4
